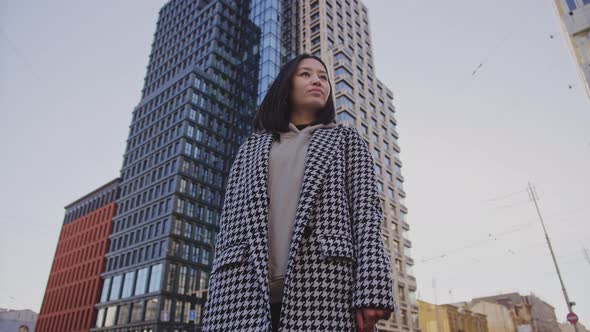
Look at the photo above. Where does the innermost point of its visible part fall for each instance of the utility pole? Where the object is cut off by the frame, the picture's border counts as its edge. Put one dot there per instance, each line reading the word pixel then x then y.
pixel 567 300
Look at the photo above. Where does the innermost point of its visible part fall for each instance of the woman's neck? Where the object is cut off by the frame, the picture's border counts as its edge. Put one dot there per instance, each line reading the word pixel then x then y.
pixel 299 118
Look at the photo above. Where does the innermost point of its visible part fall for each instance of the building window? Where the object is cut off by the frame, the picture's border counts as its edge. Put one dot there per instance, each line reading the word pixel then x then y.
pixel 404 314
pixel 123 315
pixel 110 318
pixel 343 86
pixel 399 184
pixel 345 116
pixel 375 138
pixel 171 277
pixel 390 193
pixel 100 317
pixel 178 311
pixel 361 100
pixel 105 290
pixel 407 250
pixel 377 169
pixel 343 72
pixel 116 289
pixel 128 284
pixel 136 312
pixel 177 226
pixel 412 296
pixel 341 57
pixel 376 153
pixel 141 281
pixel 195 254
pixel 344 101
pixel 155 278
pixel 205 257
pixel 151 309
pixel 167 308
pixel 182 280
pixel 401 293
pixel 180 206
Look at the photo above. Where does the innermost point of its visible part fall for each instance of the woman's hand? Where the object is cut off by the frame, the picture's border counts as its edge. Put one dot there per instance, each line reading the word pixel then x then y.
pixel 366 318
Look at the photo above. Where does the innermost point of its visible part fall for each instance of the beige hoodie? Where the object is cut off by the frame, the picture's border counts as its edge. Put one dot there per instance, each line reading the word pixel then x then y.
pixel 285 177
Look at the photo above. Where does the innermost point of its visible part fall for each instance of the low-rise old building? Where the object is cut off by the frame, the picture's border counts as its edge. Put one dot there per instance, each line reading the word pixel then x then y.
pixel 567 327
pixel 529 312
pixel 499 318
pixel 450 318
pixel 17 320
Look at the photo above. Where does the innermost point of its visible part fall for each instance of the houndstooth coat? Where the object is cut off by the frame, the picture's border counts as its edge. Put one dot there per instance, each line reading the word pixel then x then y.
pixel 337 261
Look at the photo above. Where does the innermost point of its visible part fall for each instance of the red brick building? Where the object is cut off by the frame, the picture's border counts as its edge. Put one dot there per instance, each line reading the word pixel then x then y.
pixel 74 283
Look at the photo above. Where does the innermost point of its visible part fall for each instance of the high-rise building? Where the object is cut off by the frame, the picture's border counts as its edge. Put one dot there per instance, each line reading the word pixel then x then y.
pixel 210 65
pixel 575 19
pixel 196 108
pixel 338 31
pixel 74 282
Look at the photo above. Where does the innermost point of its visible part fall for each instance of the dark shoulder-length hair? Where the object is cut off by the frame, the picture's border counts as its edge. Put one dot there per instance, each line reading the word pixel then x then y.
pixel 274 113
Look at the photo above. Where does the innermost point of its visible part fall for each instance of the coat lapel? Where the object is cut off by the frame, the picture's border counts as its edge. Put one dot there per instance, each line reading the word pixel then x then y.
pixel 323 144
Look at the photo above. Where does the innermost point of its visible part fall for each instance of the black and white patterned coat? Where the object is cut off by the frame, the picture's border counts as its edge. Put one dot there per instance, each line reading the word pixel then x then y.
pixel 337 261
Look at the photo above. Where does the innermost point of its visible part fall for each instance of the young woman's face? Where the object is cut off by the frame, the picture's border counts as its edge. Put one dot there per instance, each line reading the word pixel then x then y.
pixel 310 87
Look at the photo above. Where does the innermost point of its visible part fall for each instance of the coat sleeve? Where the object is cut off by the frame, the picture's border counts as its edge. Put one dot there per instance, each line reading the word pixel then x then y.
pixel 230 199
pixel 373 286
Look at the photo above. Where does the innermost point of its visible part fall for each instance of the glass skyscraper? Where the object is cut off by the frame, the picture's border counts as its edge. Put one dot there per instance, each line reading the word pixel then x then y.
pixel 196 108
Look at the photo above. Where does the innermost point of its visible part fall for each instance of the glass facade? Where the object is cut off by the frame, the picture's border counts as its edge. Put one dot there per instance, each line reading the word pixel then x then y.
pixel 265 14
pixel 196 108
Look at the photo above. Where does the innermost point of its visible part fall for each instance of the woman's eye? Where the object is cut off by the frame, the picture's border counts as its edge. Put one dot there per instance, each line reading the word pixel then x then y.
pixel 304 73
pixel 324 77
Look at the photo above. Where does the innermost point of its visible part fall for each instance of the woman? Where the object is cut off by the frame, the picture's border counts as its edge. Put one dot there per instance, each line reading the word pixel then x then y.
pixel 300 246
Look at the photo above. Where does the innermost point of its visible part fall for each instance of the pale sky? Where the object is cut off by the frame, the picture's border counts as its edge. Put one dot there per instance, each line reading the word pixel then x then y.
pixel 71 73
